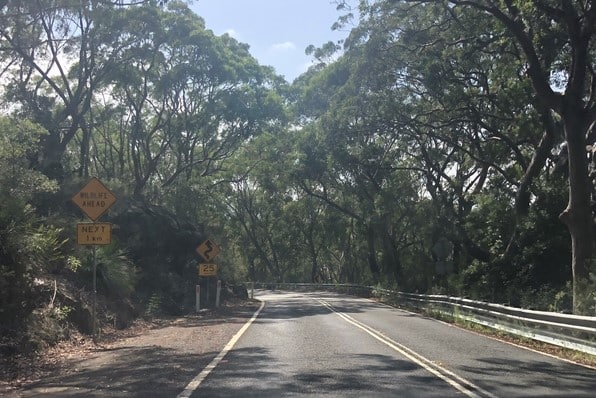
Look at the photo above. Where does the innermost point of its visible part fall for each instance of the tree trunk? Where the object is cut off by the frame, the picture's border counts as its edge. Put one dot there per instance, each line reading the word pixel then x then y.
pixel 372 257
pixel 84 151
pixel 49 160
pixel 314 271
pixel 578 214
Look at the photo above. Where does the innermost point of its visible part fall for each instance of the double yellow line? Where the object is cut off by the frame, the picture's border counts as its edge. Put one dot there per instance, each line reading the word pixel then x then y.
pixel 462 385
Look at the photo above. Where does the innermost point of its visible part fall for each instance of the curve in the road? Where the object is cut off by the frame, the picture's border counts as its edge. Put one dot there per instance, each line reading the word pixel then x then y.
pixel 459 383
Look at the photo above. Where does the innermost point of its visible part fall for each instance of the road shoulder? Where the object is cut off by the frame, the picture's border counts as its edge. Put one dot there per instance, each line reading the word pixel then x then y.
pixel 150 359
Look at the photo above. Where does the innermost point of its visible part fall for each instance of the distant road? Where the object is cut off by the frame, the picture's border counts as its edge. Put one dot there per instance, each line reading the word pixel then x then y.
pixel 324 344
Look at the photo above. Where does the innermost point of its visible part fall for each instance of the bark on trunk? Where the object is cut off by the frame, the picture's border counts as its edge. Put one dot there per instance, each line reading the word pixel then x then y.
pixel 372 258
pixel 50 156
pixel 578 214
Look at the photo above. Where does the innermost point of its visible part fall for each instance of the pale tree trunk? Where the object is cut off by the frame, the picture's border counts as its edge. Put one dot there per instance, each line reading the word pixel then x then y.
pixel 578 214
pixel 372 257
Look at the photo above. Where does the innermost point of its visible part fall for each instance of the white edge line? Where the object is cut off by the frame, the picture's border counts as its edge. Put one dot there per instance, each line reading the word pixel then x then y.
pixel 196 382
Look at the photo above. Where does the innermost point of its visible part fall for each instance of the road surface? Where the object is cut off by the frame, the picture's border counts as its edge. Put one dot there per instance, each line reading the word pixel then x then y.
pixel 324 344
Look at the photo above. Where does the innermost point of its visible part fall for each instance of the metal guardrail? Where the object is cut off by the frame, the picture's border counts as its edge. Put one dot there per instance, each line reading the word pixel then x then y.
pixel 570 331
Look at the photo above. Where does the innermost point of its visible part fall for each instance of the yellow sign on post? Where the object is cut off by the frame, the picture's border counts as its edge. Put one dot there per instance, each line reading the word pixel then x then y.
pixel 208 250
pixel 96 233
pixel 94 199
pixel 207 269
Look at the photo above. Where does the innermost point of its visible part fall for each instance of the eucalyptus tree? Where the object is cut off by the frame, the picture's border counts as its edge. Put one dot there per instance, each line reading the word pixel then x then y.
pixel 178 100
pixel 283 233
pixel 39 39
pixel 307 216
pixel 447 100
pixel 50 70
pixel 253 198
pixel 351 160
pixel 542 50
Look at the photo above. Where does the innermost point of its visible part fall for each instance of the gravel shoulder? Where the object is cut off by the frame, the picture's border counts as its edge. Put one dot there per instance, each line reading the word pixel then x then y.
pixel 150 359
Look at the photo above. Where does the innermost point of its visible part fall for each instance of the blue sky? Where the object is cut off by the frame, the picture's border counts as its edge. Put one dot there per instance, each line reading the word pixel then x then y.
pixel 277 31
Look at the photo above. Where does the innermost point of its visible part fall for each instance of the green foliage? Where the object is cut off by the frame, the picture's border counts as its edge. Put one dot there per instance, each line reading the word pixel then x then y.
pixel 584 296
pixel 45 327
pixel 154 305
pixel 73 263
pixel 116 273
pixel 563 300
pixel 162 303
pixel 45 247
pixel 28 247
pixel 19 141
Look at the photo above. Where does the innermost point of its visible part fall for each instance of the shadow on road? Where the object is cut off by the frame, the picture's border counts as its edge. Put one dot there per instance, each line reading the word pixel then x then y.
pixel 546 375
pixel 251 372
pixel 293 305
pixel 129 372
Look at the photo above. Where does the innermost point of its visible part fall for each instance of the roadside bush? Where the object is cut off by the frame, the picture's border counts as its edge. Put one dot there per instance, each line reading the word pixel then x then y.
pixel 161 304
pixel 27 246
pixel 116 272
pixel 45 327
pixel 542 299
pixel 563 300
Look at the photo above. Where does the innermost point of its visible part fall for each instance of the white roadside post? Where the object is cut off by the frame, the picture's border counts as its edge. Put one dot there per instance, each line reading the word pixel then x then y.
pixel 198 297
pixel 217 293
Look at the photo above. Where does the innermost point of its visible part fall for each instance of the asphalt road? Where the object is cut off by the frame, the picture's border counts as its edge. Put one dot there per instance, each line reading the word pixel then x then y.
pixel 323 344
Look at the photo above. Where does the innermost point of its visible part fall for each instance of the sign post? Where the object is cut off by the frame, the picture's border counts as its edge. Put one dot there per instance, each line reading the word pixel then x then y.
pixel 208 250
pixel 94 309
pixel 94 199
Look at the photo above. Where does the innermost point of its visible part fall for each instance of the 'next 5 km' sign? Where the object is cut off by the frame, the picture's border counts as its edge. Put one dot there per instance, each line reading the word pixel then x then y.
pixel 96 233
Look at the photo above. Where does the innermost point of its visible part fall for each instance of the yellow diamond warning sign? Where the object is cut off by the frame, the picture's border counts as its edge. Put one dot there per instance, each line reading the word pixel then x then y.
pixel 94 199
pixel 208 250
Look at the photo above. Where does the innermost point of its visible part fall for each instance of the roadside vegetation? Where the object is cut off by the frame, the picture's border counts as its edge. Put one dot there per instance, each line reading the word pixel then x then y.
pixel 443 147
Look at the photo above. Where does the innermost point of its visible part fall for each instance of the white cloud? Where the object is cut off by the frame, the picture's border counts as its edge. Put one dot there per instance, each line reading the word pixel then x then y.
pixel 282 47
pixel 305 65
pixel 232 33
